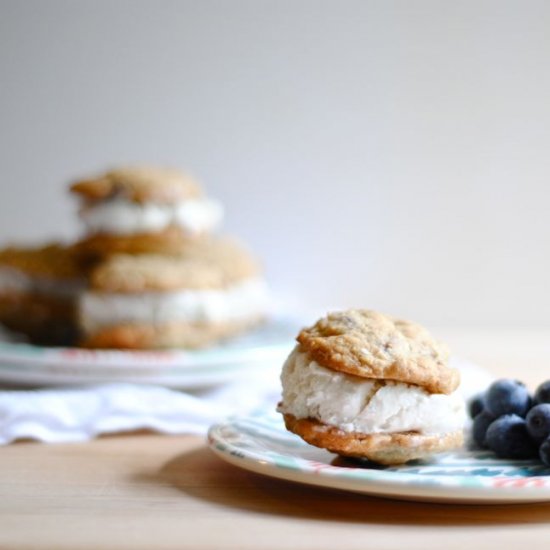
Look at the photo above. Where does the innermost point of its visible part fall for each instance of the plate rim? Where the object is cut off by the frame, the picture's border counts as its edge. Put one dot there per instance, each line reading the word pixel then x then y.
pixel 28 365
pixel 400 485
pixel 24 353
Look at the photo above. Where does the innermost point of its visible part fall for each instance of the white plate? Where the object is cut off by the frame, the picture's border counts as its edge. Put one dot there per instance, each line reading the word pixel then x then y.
pixel 28 365
pixel 261 444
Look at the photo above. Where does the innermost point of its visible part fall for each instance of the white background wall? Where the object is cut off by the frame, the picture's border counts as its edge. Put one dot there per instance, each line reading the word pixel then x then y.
pixel 390 154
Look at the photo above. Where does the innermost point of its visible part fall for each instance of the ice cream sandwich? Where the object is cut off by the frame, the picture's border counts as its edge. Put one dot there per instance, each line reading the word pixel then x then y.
pixel 211 292
pixel 143 210
pixel 363 384
pixel 39 288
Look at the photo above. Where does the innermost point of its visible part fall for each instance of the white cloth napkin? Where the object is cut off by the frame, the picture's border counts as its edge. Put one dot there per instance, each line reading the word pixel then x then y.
pixel 79 414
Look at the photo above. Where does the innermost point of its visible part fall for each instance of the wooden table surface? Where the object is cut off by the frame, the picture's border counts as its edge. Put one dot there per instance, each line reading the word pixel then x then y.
pixel 151 491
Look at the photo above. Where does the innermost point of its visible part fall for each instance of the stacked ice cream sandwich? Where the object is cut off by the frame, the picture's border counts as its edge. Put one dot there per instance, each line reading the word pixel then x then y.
pixel 156 275
pixel 140 210
pixel 39 292
pixel 210 291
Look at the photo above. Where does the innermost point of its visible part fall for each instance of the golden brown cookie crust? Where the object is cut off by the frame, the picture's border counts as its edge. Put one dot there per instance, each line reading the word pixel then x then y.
pixel 171 240
pixel 395 448
pixel 138 184
pixel 168 335
pixel 52 261
pixel 214 263
pixel 372 345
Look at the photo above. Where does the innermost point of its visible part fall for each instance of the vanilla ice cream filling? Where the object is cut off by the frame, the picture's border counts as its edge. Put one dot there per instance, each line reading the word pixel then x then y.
pixel 356 404
pixel 15 281
pixel 240 302
pixel 123 217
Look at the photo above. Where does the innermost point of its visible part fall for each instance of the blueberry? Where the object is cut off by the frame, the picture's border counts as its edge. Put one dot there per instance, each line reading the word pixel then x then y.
pixel 476 405
pixel 481 423
pixel 542 395
pixel 544 452
pixel 538 422
pixel 507 396
pixel 507 436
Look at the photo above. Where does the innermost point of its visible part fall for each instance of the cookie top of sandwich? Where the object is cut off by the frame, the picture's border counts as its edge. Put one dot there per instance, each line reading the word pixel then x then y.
pixel 211 263
pixel 368 344
pixel 138 184
pixel 52 261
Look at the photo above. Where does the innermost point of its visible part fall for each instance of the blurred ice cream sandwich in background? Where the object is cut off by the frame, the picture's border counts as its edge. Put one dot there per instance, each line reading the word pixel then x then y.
pixel 142 210
pixel 147 273
pixel 39 289
pixel 212 291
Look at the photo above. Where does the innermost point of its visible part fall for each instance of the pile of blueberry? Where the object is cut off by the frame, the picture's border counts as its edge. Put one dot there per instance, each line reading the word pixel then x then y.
pixel 511 422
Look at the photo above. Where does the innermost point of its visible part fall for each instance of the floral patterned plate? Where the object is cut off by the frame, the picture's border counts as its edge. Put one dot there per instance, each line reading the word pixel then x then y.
pixel 261 444
pixel 27 365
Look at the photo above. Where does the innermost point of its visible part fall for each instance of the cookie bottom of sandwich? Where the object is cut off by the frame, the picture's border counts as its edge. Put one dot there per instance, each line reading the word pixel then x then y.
pixel 382 448
pixel 180 334
pixel 171 240
pixel 44 320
